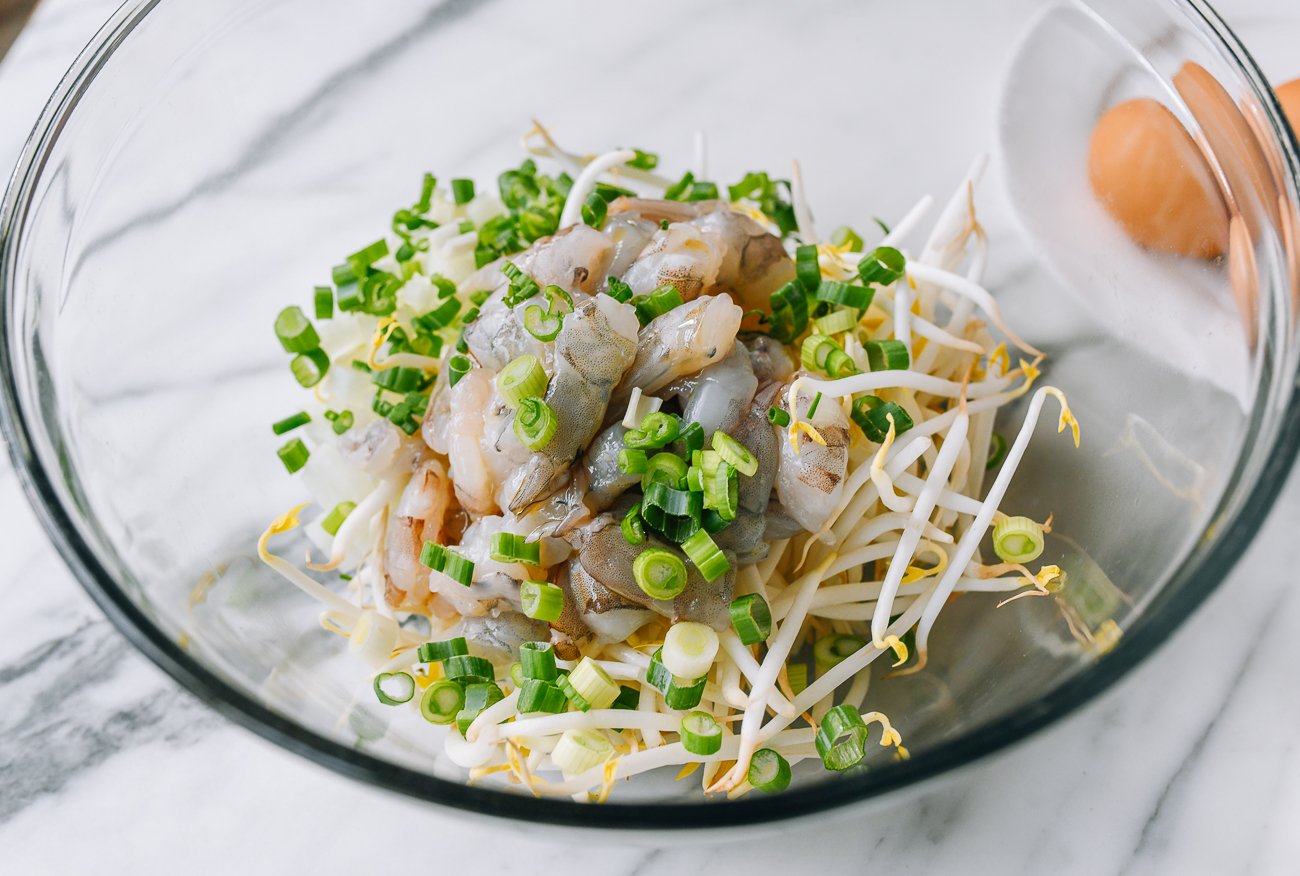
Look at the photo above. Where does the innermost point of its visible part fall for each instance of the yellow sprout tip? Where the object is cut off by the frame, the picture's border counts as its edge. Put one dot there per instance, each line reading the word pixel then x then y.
pixel 896 645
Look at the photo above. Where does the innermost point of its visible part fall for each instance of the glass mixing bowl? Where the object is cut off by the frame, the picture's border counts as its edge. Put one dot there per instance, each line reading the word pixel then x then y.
pixel 205 162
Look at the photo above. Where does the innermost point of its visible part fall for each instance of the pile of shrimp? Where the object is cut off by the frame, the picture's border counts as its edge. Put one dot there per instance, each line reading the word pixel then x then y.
pixel 839 534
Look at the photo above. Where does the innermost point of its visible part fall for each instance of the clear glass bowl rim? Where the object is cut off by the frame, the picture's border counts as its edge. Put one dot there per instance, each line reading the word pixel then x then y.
pixel 1190 586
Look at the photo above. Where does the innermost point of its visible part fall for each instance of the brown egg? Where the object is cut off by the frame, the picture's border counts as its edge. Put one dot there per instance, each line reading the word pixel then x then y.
pixel 1149 175
pixel 1288 94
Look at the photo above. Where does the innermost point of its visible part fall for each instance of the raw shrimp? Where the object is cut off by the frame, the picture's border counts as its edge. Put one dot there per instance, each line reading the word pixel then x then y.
pixel 754 261
pixel 607 557
pixel 503 452
pixel 681 255
pixel 467 401
pixel 611 617
pixel 493 581
pixel 719 396
pixel 682 341
pixel 503 630
pixel 595 347
pixel 576 259
pixel 810 480
pixel 630 234
pixel 419 516
pixel 750 264
pixel 605 480
pixel 380 449
pixel 746 535
pixel 769 359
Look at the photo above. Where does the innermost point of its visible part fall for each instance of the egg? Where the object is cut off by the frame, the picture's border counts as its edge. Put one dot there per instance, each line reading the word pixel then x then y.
pixel 1152 179
pixel 1288 94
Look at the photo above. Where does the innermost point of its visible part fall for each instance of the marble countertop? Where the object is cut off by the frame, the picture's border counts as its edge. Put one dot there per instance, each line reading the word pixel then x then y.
pixel 1191 765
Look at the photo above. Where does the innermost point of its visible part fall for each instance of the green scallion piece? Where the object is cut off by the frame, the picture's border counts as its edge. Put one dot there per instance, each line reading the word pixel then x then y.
pixel 632 527
pixel 508 547
pixel 618 290
pixel 457 367
pixel 847 239
pixel 872 415
pixel 542 325
pixel 789 312
pixel 436 652
pixel 462 191
pixel 433 555
pixel 468 669
pixel 691 438
pixel 459 569
pixel 678 693
pixel 534 423
pixel 541 600
pixel 593 685
pixel 367 256
pixel 657 430
pixel 806 269
pixel 441 701
pixel 701 733
pixel 644 160
pixel 769 772
pixel 680 189
pixel 830 650
pixel 538 660
pixel 337 515
pixel 736 453
pixel 845 294
pixel 845 319
pixel 721 490
pixel 522 377
pixel 752 618
pixel 842 738
pixel 294 455
pixel 890 355
pixel 778 417
pixel 628 698
pixel 594 210
pixel 997 451
pixel 664 468
pixel 478 697
pixel 290 423
pixel 632 462
pixel 1018 540
pixel 812 408
pixel 706 555
pixel 659 573
pixel 324 302
pixel 295 331
pixel 394 688
pixel 538 696
pixel 882 266
pixel 309 368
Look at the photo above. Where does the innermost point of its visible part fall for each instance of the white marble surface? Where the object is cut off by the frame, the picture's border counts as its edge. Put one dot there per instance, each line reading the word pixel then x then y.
pixel 1191 766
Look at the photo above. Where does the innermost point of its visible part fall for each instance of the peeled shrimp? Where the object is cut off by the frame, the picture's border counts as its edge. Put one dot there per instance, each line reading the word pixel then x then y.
pixel 607 557
pixel 502 630
pixel 605 480
pixel 630 235
pixel 754 261
pixel 769 359
pixel 595 347
pixel 746 535
pixel 503 452
pixel 810 480
pixel 467 404
pixel 576 259
pixel 751 263
pixel 681 255
pixel 682 341
pixel 420 516
pixel 719 396
pixel 611 617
